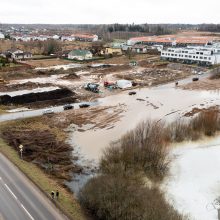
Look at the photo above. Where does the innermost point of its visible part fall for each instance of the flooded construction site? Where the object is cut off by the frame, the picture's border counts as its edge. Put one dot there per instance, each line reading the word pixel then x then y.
pixel 107 100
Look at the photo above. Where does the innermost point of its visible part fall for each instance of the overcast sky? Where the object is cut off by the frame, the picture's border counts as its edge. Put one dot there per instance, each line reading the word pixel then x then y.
pixel 109 11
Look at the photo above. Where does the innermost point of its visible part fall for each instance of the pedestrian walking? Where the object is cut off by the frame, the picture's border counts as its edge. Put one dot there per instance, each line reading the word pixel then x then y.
pixel 57 194
pixel 52 194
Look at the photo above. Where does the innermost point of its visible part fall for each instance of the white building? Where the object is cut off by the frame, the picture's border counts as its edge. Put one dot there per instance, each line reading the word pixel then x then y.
pixel 20 54
pixel 68 38
pixel 56 37
pixel 208 55
pixel 2 36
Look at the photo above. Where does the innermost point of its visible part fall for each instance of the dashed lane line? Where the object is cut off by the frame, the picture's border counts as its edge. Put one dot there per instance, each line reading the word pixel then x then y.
pixel 11 191
pixel 30 216
pixel 7 187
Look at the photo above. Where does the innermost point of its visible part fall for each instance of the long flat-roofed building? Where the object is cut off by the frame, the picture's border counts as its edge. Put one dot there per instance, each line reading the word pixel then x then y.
pixel 207 55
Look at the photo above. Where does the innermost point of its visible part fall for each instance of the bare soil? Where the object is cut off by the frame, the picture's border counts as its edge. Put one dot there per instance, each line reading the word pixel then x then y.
pixel 47 62
pixel 204 84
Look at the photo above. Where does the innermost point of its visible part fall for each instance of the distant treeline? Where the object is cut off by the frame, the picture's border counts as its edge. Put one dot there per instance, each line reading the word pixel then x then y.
pixel 111 31
pixel 209 27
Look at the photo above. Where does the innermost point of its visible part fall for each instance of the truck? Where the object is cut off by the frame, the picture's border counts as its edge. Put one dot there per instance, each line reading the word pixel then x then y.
pixel 93 87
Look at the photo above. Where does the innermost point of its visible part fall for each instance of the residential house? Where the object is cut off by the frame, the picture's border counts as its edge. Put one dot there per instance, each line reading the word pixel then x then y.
pixel 2 36
pixel 17 54
pixel 139 48
pixel 111 51
pixel 68 38
pixel 56 37
pixel 86 37
pixel 80 55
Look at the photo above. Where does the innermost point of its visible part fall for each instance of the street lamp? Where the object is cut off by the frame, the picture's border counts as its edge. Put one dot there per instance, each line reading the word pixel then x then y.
pixel 21 150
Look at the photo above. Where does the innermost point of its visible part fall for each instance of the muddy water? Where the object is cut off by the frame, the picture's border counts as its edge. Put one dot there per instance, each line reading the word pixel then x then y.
pixel 194 181
pixel 165 102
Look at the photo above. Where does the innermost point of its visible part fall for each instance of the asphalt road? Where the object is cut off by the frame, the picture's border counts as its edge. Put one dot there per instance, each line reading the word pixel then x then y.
pixel 38 112
pixel 20 199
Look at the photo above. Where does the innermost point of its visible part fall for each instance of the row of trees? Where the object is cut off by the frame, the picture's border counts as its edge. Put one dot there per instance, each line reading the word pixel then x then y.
pixel 145 28
pixel 209 27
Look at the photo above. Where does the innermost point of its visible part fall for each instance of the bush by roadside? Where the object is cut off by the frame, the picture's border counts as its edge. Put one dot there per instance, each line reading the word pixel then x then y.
pixel 125 197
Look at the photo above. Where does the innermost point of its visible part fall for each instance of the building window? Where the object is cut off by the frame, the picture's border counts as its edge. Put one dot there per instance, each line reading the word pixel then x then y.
pixel 194 57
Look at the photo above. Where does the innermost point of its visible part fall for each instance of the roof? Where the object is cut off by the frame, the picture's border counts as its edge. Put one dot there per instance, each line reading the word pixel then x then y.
pixel 79 52
pixel 174 39
pixel 85 36
pixel 139 46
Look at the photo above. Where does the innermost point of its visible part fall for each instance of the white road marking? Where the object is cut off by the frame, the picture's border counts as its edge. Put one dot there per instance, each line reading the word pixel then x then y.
pixel 27 212
pixel 11 191
pixel 18 201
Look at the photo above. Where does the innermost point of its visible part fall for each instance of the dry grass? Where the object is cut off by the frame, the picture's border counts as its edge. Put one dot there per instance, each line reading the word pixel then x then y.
pixel 67 202
pixel 47 62
pixel 43 145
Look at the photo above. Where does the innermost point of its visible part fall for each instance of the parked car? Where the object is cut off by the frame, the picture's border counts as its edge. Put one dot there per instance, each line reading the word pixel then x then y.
pixel 68 106
pixel 195 79
pixel 84 105
pixel 48 111
pixel 132 93
pixel 200 73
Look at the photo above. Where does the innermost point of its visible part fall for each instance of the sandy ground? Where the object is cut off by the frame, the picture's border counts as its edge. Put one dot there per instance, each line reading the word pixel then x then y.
pixel 194 181
pixel 204 84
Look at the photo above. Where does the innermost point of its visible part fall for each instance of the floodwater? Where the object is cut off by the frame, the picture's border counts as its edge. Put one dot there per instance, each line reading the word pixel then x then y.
pixel 165 102
pixel 194 181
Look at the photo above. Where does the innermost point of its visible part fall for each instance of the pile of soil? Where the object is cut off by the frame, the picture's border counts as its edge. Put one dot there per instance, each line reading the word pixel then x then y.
pixel 23 86
pixel 58 71
pixel 112 69
pixel 35 97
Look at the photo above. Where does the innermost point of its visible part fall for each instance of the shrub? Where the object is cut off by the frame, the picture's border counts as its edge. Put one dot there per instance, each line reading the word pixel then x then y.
pixel 179 131
pixel 206 122
pixel 119 197
pixel 142 149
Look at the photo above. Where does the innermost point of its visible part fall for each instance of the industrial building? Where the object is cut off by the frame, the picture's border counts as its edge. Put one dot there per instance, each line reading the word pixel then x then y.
pixel 207 55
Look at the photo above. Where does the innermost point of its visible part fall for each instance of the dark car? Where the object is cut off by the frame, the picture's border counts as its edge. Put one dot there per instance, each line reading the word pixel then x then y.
pixel 84 105
pixel 68 106
pixel 132 93
pixel 195 79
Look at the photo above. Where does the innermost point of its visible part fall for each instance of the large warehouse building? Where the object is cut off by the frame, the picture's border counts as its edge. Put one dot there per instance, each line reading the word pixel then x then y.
pixel 207 55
